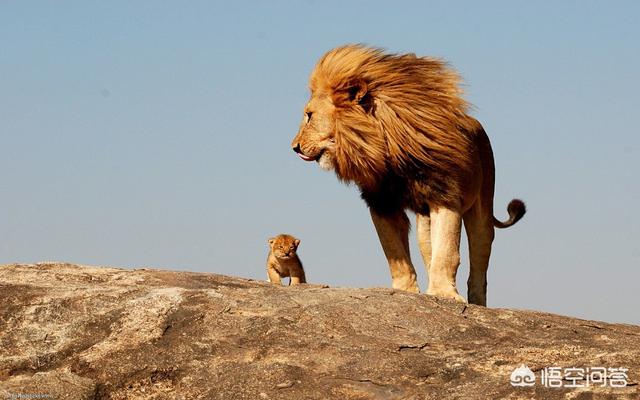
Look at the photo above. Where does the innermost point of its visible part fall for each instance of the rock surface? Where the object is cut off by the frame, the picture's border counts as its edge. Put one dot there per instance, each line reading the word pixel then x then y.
pixel 74 332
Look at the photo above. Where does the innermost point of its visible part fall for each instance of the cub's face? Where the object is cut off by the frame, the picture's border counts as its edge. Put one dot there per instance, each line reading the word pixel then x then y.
pixel 315 140
pixel 284 246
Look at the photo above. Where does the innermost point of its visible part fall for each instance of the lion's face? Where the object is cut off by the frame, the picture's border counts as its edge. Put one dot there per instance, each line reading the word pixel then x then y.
pixel 315 140
pixel 340 131
pixel 284 246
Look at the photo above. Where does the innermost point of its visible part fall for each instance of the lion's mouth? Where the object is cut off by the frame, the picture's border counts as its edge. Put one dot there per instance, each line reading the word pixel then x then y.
pixel 305 157
pixel 308 158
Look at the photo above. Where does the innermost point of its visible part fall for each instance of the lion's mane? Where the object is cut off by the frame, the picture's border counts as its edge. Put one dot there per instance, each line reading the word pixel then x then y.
pixel 399 118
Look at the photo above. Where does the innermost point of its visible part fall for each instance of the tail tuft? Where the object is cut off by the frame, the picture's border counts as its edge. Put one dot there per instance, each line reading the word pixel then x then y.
pixel 516 210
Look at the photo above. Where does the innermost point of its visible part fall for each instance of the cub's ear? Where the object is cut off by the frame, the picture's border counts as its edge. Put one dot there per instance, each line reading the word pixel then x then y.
pixel 271 240
pixel 354 92
pixel 296 242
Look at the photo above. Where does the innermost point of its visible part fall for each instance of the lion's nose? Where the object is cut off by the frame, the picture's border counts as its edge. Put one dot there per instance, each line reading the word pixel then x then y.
pixel 297 148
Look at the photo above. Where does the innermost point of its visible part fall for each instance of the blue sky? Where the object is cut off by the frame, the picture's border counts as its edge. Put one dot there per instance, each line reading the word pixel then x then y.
pixel 158 134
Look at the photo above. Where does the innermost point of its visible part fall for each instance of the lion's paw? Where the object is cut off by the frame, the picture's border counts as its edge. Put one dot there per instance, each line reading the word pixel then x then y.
pixel 448 293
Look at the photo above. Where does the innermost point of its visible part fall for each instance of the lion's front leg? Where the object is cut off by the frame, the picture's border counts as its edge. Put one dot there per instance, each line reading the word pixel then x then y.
pixel 423 229
pixel 393 231
pixel 274 276
pixel 445 258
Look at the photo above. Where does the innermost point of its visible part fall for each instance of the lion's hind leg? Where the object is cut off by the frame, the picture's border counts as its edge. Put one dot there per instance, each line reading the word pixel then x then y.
pixel 445 258
pixel 478 223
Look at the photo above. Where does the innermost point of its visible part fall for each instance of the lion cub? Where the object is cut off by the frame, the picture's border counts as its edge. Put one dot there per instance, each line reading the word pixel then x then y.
pixel 283 261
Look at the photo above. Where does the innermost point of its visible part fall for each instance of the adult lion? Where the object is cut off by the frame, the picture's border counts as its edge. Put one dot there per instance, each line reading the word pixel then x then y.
pixel 396 125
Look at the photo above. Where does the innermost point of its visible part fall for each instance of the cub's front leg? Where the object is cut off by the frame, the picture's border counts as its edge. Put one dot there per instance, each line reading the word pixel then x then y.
pixel 297 274
pixel 274 276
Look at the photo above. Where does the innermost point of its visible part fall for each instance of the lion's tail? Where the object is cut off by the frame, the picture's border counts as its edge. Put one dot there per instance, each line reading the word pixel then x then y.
pixel 516 210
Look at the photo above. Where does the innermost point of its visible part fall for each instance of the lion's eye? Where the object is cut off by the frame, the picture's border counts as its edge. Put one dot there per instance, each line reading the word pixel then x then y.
pixel 307 116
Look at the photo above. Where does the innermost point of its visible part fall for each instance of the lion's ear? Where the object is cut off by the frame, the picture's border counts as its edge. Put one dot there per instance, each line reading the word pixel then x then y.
pixel 271 240
pixel 355 92
pixel 297 242
pixel 358 91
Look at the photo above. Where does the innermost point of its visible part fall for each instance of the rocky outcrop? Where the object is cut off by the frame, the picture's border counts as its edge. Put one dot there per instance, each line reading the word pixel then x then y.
pixel 74 332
